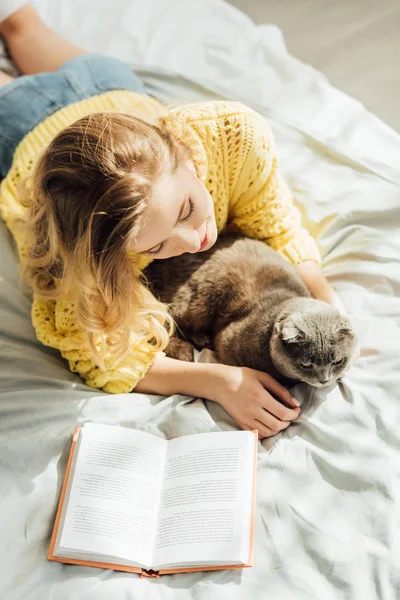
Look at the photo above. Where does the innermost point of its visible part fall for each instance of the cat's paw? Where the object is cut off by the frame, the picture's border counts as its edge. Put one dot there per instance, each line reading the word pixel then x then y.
pixel 180 349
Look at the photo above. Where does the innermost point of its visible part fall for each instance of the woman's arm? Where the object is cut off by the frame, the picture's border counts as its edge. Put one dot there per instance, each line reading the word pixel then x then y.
pixel 262 208
pixel 253 399
pixel 318 285
pixel 168 376
pixel 261 203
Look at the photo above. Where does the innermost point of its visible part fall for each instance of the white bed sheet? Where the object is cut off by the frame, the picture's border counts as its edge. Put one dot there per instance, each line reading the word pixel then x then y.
pixel 328 497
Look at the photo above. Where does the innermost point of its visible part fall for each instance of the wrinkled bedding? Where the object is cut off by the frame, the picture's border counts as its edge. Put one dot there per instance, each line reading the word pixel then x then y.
pixel 328 497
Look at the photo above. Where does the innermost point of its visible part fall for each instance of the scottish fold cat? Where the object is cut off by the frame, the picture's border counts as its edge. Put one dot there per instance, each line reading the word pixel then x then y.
pixel 248 304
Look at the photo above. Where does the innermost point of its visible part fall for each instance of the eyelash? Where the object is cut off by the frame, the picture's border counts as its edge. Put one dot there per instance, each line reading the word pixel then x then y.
pixel 191 210
pixel 157 251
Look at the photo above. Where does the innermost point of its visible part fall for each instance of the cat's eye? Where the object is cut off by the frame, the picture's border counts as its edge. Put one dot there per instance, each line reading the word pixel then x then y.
pixel 337 363
pixel 306 366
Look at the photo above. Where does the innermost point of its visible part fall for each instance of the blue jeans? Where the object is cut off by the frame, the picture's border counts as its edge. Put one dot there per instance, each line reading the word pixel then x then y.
pixel 29 99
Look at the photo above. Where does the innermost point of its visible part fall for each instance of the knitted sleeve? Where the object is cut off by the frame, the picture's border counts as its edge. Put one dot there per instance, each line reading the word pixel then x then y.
pixel 261 205
pixel 56 326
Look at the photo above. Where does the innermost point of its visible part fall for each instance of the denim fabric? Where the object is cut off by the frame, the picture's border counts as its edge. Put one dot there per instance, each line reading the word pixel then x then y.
pixel 29 99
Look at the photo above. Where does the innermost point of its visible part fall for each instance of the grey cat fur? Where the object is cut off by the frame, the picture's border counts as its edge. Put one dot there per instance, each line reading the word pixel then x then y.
pixel 250 305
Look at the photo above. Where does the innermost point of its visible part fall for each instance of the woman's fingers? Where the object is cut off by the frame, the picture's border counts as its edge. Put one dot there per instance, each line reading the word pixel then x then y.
pixel 265 431
pixel 277 389
pixel 279 411
pixel 270 421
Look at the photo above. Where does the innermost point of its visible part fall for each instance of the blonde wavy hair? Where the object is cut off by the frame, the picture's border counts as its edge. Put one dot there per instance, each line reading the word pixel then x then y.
pixel 89 192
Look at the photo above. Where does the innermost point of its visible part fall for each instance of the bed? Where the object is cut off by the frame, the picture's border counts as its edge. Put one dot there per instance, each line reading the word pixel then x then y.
pixel 328 494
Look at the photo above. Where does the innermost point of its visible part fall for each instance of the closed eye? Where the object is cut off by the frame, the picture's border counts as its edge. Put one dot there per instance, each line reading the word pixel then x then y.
pixel 157 251
pixel 308 366
pixel 337 363
pixel 188 211
pixel 185 215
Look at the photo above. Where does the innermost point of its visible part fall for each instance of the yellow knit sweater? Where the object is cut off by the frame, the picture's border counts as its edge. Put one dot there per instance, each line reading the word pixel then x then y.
pixel 233 149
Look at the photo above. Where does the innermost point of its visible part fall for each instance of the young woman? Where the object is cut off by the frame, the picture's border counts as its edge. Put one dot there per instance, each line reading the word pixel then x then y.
pixel 100 178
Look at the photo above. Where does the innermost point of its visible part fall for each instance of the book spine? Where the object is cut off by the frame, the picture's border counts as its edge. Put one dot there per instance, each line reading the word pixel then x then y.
pixel 149 573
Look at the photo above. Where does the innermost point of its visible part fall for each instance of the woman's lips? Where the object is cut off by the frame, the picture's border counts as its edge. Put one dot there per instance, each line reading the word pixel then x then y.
pixel 205 240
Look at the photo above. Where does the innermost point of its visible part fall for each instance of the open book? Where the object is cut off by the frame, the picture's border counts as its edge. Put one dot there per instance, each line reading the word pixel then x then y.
pixel 132 501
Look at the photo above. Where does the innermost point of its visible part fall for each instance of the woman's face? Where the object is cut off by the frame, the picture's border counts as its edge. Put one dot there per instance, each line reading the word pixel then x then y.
pixel 180 217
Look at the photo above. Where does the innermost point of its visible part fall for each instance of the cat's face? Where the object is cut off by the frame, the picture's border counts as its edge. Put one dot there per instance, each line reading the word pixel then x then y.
pixel 313 343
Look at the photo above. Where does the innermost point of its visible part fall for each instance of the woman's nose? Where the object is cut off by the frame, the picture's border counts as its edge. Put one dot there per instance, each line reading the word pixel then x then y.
pixel 187 240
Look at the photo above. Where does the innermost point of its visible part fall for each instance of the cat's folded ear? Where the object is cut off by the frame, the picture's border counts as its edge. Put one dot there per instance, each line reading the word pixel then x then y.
pixel 288 331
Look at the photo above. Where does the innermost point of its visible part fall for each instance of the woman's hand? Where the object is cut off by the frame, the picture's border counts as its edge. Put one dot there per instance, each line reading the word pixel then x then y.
pixel 246 395
pixel 243 393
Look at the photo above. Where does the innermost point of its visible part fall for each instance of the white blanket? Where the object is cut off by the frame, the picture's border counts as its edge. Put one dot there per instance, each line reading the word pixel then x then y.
pixel 328 500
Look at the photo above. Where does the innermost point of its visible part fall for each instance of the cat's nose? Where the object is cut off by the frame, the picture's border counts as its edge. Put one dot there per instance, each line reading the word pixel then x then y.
pixel 323 380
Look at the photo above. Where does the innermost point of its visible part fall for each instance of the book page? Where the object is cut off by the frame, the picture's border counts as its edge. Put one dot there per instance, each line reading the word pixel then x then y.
pixel 114 497
pixel 206 500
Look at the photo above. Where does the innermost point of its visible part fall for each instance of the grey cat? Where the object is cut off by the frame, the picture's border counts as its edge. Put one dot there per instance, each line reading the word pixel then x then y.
pixel 249 304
